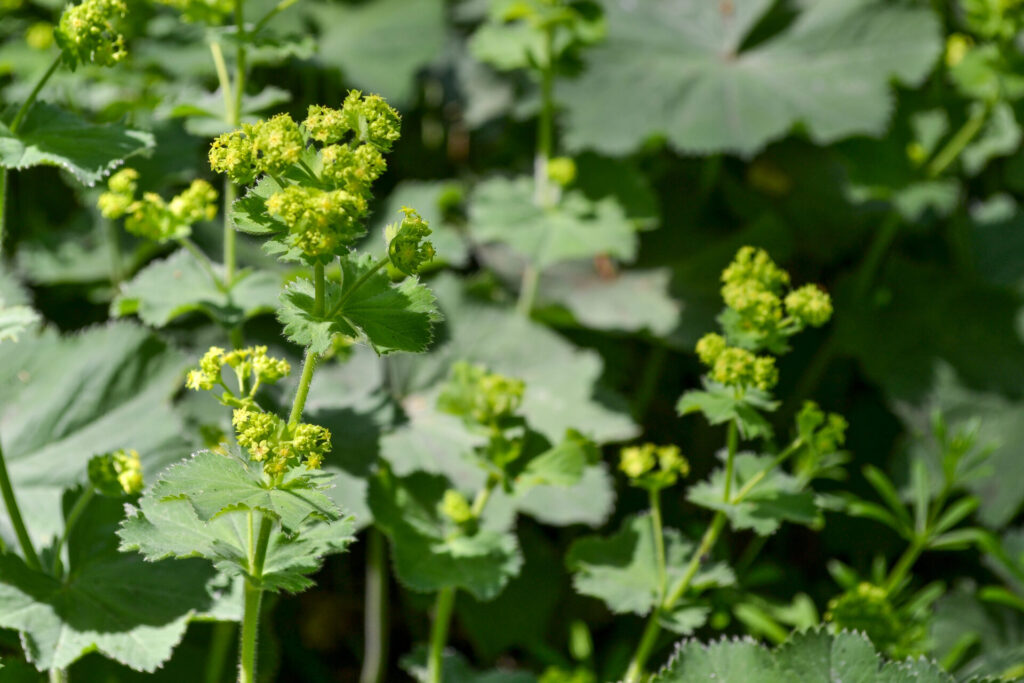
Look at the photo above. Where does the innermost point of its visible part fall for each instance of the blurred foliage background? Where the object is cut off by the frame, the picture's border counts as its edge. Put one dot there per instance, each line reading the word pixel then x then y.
pixel 872 146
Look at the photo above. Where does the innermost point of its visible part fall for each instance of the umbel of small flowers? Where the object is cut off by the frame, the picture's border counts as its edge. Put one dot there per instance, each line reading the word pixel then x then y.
pixel 117 474
pixel 89 33
pixel 150 216
pixel 314 178
pixel 276 444
pixel 761 313
pixel 653 467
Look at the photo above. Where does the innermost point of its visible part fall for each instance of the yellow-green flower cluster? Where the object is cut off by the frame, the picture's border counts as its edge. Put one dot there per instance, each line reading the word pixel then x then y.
pixel 653 467
pixel 456 507
pixel 205 11
pixel 760 311
pixel 809 305
pixel 320 221
pixel 736 367
pixel 151 217
pixel 367 119
pixel 252 366
pixel 116 474
pixel 88 32
pixel 823 433
pixel 480 396
pixel 407 248
pixel 278 446
pixel 322 195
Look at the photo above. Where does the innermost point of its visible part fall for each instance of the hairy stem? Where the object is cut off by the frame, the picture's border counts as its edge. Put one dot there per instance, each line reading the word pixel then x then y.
pixel 439 633
pixel 76 512
pixel 253 598
pixel 11 503
pixel 375 619
pixel 308 366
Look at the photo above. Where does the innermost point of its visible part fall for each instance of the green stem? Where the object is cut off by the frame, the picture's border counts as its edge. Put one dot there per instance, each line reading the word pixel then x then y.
pixel 948 154
pixel 253 598
pixel 277 9
pixel 24 540
pixel 76 512
pixel 439 632
pixel 220 643
pixel 224 80
pixel 482 496
pixel 19 117
pixel 542 194
pixel 902 567
pixel 308 365
pixel 58 676
pixel 239 62
pixel 635 673
pixel 659 540
pixel 27 104
pixel 375 619
pixel 749 485
pixel 230 238
pixel 231 117
pixel 730 459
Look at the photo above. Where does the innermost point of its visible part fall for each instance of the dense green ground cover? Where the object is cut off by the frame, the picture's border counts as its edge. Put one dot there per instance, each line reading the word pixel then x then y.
pixel 527 341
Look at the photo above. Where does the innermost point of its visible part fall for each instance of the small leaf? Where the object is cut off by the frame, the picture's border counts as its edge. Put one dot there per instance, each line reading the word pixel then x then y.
pixel 622 569
pixel 778 497
pixel 53 137
pixel 366 306
pixel 214 484
pixel 719 405
pixel 562 465
pixel 161 529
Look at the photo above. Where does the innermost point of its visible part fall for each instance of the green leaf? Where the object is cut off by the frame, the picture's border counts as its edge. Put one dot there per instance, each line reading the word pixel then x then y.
pixel 455 669
pixel 778 497
pixel 65 399
pixel 428 553
pixel 503 211
pixel 1000 136
pixel 172 287
pixel 813 656
pixel 367 307
pixel 130 610
pixel 562 465
pixel 682 71
pixel 215 483
pixel 14 320
pixel 53 137
pixel 382 45
pixel 161 529
pixel 622 569
pixel 719 405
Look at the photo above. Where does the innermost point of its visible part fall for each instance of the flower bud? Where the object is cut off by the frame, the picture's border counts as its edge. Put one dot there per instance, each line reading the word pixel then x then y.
pixel 455 507
pixel 407 248
pixel 88 33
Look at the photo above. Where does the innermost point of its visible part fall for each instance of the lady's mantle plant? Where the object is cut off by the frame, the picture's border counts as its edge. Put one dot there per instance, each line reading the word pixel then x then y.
pixel 256 508
pixel 648 570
